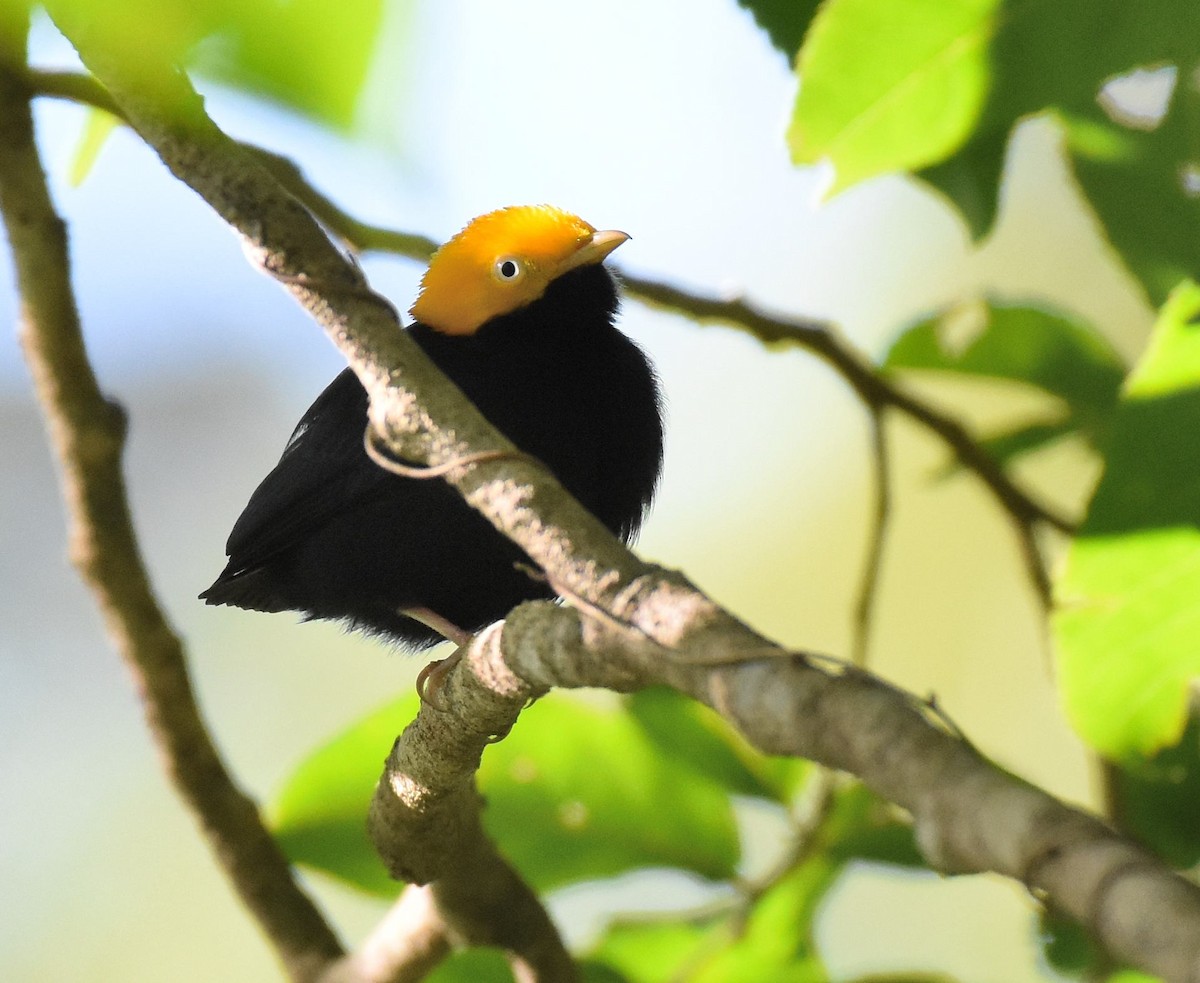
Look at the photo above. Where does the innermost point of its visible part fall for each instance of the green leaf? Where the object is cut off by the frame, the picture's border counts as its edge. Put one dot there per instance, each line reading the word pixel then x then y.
pixel 477 965
pixel 890 85
pixel 1127 618
pixel 1023 344
pixel 572 793
pixel 1067 947
pixel 576 793
pixel 785 22
pixel 656 950
pixel 1158 800
pixel 693 734
pixel 310 55
pixel 320 815
pixel 1010 445
pixel 1134 182
pixel 96 130
pixel 970 179
pixel 865 827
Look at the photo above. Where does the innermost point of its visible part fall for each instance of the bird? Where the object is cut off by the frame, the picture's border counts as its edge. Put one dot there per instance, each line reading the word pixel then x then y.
pixel 518 310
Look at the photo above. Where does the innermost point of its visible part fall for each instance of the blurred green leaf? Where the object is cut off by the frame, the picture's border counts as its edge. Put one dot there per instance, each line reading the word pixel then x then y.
pixel 310 55
pixel 477 965
pixel 1158 800
pixel 863 826
pixel 1134 182
pixel 1022 344
pixel 658 950
pixel 320 815
pixel 970 179
pixel 1066 946
pixel 572 793
pixel 576 793
pixel 693 734
pixel 785 22
pixel 1126 619
pixel 1057 57
pixel 96 130
pixel 1008 446
pixel 890 85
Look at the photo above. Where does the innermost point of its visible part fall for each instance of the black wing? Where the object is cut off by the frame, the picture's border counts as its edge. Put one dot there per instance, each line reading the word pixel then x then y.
pixel 323 470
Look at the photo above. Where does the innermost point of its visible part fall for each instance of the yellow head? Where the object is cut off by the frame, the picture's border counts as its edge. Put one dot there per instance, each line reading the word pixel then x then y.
pixel 502 261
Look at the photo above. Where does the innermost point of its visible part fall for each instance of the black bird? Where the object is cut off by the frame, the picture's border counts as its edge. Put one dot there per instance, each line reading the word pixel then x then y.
pixel 517 309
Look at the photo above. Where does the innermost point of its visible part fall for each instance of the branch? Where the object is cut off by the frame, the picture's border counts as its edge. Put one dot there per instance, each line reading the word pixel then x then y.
pixel 876 391
pixel 873 565
pixel 637 624
pixel 88 434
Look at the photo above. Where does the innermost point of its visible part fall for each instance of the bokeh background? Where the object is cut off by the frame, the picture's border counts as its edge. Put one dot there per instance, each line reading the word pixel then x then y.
pixel 667 123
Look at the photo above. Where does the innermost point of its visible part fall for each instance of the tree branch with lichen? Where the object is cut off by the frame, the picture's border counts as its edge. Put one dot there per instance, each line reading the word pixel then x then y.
pixel 634 625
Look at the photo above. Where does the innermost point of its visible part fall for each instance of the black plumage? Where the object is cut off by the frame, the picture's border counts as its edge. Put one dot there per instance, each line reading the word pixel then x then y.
pixel 330 534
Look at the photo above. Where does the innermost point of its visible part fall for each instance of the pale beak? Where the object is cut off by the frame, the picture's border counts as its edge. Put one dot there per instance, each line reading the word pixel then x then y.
pixel 594 250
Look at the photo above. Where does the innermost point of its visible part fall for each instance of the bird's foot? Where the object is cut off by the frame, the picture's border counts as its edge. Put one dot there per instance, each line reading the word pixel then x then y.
pixel 432 678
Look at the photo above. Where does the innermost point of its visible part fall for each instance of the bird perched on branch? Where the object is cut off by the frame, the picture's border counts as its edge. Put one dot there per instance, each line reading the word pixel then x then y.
pixel 517 309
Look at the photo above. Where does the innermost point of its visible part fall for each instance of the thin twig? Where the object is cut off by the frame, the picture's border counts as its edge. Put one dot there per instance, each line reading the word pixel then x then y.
pixel 88 433
pixel 868 588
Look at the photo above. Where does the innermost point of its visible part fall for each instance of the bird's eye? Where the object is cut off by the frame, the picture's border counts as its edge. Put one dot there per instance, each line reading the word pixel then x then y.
pixel 509 269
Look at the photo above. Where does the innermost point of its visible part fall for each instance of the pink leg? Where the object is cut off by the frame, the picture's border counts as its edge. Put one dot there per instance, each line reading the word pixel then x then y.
pixel 432 678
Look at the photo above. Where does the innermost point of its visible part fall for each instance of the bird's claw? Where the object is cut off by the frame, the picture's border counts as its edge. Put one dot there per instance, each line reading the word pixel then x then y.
pixel 432 678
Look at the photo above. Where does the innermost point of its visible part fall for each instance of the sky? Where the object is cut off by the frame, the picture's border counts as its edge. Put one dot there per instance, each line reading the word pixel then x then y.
pixel 666 122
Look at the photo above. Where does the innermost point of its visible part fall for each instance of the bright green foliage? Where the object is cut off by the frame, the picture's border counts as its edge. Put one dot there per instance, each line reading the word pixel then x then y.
pixel 769 937
pixel 95 134
pixel 937 88
pixel 261 46
pixel 1127 618
pixel 577 793
pixel 890 85
pixel 1051 352
pixel 573 793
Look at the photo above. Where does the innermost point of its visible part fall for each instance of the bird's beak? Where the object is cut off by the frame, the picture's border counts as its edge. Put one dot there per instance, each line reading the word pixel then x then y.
pixel 594 250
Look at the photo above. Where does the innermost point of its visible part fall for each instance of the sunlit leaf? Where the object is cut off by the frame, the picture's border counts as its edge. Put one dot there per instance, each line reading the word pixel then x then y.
pixel 576 792
pixel 311 55
pixel 1127 618
pixel 572 793
pixel 656 950
pixel 890 85
pixel 96 131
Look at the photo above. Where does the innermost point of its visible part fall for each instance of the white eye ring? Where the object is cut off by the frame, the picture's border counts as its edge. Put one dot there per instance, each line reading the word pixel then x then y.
pixel 509 269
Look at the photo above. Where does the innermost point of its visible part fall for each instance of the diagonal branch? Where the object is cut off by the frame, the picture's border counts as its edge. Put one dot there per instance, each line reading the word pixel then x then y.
pixel 815 336
pixel 88 433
